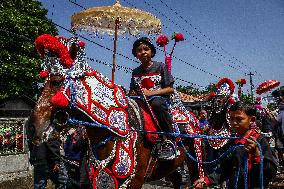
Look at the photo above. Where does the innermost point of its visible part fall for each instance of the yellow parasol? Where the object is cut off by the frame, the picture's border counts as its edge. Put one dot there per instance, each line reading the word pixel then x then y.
pixel 116 20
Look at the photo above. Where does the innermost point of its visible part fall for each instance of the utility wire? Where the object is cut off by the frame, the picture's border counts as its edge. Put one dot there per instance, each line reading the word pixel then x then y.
pixel 215 43
pixel 123 68
pixel 196 67
pixel 187 32
pixel 194 37
pixel 98 44
pixel 121 54
pixel 129 70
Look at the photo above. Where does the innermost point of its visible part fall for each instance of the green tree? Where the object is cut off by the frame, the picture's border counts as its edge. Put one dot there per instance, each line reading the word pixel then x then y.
pixel 210 88
pixel 21 21
pixel 194 91
pixel 272 106
pixel 188 90
pixel 247 98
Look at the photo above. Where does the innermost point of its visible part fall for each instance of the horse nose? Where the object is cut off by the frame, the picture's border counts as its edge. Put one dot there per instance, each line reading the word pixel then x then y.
pixel 61 118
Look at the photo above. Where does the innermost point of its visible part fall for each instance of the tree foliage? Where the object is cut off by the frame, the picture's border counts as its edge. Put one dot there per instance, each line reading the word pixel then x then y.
pixel 247 98
pixel 195 91
pixel 21 21
pixel 272 106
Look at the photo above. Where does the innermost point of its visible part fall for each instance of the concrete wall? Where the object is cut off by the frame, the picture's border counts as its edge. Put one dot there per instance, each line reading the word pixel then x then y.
pixel 13 166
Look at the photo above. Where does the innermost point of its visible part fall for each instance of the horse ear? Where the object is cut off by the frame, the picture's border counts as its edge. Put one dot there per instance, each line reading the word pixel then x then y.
pixel 73 51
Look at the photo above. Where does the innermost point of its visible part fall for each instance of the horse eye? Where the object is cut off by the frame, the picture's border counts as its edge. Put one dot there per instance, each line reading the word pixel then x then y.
pixel 56 83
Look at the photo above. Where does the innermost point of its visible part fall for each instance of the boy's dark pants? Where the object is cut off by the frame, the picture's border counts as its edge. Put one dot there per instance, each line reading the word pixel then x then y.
pixel 161 111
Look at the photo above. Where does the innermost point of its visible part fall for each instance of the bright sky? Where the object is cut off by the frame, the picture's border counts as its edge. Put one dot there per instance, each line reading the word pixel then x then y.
pixel 224 38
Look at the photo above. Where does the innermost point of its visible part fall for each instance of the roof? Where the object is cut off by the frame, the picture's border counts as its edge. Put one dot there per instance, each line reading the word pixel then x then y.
pixel 189 98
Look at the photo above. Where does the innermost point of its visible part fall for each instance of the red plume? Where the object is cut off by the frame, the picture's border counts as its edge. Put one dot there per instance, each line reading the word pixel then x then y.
pixel 226 80
pixel 231 100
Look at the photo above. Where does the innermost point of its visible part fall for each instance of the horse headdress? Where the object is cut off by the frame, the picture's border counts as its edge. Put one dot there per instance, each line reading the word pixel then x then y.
pixel 221 100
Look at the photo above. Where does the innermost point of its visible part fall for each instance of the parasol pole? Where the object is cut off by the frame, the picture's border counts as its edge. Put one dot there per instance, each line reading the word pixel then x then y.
pixel 114 49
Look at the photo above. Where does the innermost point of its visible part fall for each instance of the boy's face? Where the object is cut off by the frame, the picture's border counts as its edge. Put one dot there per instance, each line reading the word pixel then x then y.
pixel 240 122
pixel 144 53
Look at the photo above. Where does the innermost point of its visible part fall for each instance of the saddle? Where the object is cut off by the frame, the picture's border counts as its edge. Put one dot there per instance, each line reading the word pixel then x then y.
pixel 164 149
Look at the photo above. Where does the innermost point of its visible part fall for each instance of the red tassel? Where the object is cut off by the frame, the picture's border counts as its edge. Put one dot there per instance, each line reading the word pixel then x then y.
pixel 81 44
pixel 59 100
pixel 43 74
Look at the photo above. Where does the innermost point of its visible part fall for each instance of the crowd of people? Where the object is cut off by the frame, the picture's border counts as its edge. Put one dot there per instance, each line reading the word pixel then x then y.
pixel 152 80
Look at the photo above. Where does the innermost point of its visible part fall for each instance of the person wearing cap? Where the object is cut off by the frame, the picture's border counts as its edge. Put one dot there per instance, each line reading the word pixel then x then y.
pixel 48 164
pixel 155 81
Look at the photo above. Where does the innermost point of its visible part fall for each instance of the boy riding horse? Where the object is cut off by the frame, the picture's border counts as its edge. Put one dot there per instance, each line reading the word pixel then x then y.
pixel 154 80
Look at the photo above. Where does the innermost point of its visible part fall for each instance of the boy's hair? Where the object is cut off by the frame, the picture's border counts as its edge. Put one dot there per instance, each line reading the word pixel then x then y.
pixel 249 109
pixel 146 41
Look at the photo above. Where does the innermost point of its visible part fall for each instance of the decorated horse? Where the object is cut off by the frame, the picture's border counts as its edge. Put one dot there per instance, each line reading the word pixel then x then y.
pixel 221 100
pixel 123 151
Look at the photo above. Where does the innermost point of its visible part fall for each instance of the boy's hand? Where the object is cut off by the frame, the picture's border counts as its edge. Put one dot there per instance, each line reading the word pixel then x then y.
pixel 147 92
pixel 206 129
pixel 132 93
pixel 251 146
pixel 56 168
pixel 199 183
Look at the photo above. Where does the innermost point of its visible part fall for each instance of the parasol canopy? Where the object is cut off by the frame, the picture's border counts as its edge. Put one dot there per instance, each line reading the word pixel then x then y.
pixel 116 20
pixel 103 20
pixel 267 86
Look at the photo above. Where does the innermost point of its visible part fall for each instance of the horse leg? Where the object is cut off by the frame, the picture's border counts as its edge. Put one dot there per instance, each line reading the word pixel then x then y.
pixel 142 158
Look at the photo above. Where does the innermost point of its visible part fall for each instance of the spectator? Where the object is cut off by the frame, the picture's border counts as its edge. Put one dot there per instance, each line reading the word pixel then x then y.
pixel 82 145
pixel 72 156
pixel 203 121
pixel 47 162
pixel 280 125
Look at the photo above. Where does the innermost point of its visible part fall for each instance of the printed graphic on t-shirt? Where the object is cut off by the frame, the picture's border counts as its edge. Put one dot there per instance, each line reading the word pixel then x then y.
pixel 150 81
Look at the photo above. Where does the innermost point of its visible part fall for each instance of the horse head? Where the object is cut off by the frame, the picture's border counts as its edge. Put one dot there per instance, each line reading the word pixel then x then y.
pixel 220 102
pixel 72 87
pixel 219 117
pixel 60 56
